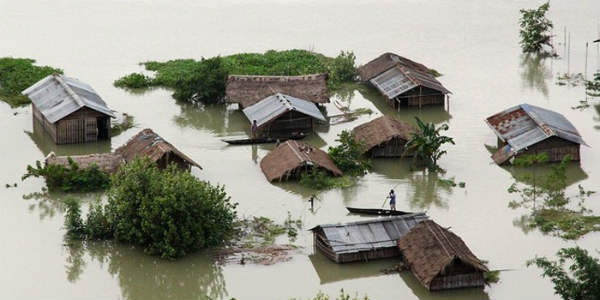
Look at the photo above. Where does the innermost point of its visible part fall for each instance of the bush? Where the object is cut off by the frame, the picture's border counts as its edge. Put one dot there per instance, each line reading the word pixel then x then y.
pixel 425 144
pixel 134 81
pixel 71 178
pixel 170 212
pixel 341 69
pixel 17 74
pixel 206 83
pixel 320 180
pixel 348 156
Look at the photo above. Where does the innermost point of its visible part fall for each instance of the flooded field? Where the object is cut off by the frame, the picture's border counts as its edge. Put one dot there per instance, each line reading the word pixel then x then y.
pixel 473 43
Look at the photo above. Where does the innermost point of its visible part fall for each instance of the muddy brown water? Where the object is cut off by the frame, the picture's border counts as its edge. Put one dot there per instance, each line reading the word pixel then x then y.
pixel 473 43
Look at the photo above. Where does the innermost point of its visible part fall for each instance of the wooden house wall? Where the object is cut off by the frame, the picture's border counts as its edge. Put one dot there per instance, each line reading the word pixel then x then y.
pixel 169 158
pixel 420 96
pixel 292 122
pixel 82 126
pixel 392 148
pixel 455 281
pixel 48 127
pixel 556 148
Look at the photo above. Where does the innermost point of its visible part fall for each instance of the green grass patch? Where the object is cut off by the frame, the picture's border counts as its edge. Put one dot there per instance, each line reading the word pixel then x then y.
pixel 17 74
pixel 321 180
pixel 183 75
pixel 565 223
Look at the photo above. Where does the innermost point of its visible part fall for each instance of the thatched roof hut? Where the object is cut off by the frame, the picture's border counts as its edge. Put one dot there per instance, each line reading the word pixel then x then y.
pixel 384 136
pixel 149 144
pixel 403 81
pixel 293 157
pixel 529 129
pixel 249 89
pixel 107 162
pixel 364 240
pixel 69 110
pixel 440 259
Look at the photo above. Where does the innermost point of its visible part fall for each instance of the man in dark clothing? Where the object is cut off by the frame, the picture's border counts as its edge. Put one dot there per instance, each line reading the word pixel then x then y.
pixel 254 128
pixel 392 197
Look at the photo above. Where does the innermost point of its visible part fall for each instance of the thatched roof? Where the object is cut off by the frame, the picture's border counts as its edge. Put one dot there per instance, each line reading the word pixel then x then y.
pixel 429 249
pixel 149 144
pixel 108 162
pixel 382 130
pixel 293 154
pixel 249 89
pixel 385 62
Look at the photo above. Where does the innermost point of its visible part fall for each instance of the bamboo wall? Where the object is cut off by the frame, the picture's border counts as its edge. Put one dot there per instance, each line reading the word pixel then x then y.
pixel 290 123
pixel 455 281
pixel 420 96
pixel 392 148
pixel 82 126
pixel 556 148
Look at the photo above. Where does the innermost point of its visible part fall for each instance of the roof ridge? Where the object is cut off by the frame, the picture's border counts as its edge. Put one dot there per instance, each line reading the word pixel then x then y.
pixel 68 89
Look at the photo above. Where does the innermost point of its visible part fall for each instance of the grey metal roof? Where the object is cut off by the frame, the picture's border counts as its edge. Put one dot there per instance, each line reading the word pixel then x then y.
pixel 399 79
pixel 524 125
pixel 275 105
pixel 366 235
pixel 57 96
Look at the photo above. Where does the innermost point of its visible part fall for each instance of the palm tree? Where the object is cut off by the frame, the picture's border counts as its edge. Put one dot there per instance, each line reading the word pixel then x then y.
pixel 425 144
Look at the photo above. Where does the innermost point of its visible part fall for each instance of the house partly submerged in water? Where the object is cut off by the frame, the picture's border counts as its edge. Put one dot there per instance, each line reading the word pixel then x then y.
pixel 528 129
pixel 384 136
pixel 403 82
pixel 68 110
pixel 144 144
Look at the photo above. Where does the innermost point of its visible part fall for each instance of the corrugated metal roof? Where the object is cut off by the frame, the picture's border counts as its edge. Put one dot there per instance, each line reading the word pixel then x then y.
pixel 400 79
pixel 57 96
pixel 370 234
pixel 275 105
pixel 524 125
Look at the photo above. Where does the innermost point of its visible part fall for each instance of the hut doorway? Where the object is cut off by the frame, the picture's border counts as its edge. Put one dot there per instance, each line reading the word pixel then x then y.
pixel 103 126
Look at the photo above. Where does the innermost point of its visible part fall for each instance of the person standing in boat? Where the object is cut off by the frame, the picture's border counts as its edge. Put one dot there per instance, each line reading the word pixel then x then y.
pixel 392 197
pixel 254 128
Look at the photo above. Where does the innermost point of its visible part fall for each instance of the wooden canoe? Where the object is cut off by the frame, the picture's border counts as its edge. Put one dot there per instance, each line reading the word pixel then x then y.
pixel 376 211
pixel 263 140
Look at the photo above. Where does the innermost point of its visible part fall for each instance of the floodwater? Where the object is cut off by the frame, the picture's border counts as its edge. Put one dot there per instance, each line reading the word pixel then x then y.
pixel 473 43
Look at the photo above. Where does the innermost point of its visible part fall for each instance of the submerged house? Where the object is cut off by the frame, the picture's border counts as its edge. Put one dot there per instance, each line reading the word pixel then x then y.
pixel 144 144
pixel 70 111
pixel 291 158
pixel 403 82
pixel 149 144
pixel 384 136
pixel 283 115
pixel 528 129
pixel 250 89
pixel 440 259
pixel 364 240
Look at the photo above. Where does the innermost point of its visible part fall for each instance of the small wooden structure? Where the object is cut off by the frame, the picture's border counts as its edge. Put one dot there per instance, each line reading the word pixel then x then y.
pixel 149 144
pixel 250 89
pixel 528 129
pixel 384 136
pixel 364 240
pixel 144 144
pixel 440 259
pixel 281 115
pixel 403 82
pixel 69 110
pixel 292 158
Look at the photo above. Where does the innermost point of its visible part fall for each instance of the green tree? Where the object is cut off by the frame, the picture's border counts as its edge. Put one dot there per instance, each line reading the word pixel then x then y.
pixel 206 82
pixel 579 281
pixel 535 29
pixel 348 155
pixel 168 212
pixel 425 144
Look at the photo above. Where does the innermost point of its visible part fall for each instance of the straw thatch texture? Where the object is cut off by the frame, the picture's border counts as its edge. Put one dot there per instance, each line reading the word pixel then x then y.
pixel 385 62
pixel 149 144
pixel 433 253
pixel 382 130
pixel 286 159
pixel 249 89
pixel 107 162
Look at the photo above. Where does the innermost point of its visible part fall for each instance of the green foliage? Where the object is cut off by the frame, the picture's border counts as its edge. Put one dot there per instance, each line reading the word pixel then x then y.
pixel 321 180
pixel 205 83
pixel 120 127
pixel 73 223
pixel 170 212
pixel 425 144
pixel 579 281
pixel 17 74
pixel 564 223
pixel 435 73
pixel 71 178
pixel 134 81
pixel 535 29
pixel 204 80
pixel 592 87
pixel 342 296
pixel 348 155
